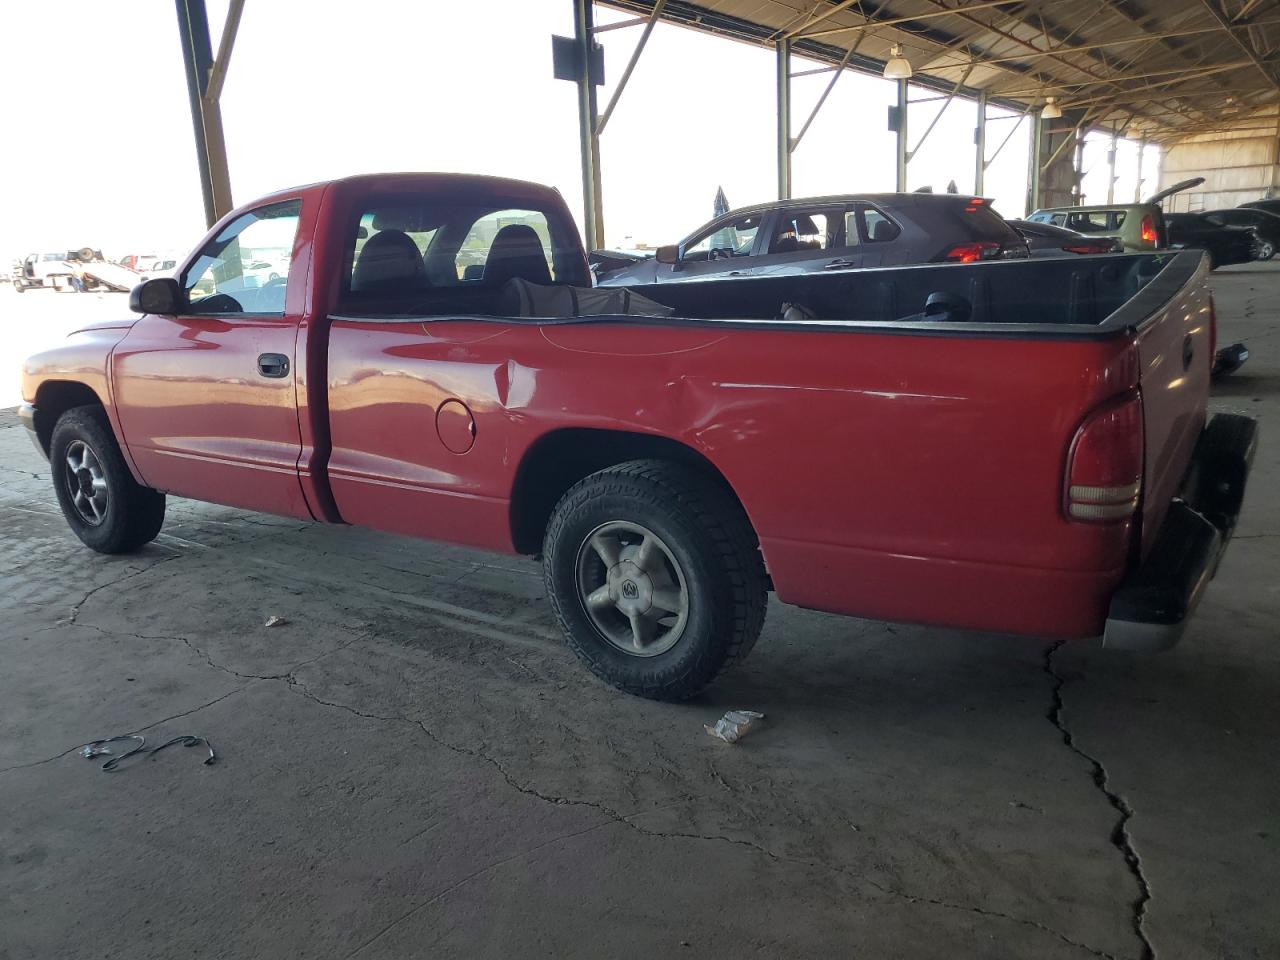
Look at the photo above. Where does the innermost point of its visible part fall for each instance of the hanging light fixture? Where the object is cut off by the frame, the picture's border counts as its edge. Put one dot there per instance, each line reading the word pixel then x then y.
pixel 898 68
pixel 1051 110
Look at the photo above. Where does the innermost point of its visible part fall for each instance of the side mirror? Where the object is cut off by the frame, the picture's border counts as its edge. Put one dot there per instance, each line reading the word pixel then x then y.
pixel 668 254
pixel 160 295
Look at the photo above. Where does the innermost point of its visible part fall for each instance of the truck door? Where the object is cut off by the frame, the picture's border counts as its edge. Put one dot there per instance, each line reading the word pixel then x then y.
pixel 206 397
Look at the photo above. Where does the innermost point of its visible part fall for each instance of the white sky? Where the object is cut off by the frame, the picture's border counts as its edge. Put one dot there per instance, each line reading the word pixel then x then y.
pixel 103 153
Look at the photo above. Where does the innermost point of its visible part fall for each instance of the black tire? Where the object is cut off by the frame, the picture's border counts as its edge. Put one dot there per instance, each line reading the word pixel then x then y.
pixel 130 515
pixel 710 546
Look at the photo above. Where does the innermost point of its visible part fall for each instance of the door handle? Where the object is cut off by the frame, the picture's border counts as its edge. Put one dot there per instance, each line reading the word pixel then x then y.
pixel 838 264
pixel 273 365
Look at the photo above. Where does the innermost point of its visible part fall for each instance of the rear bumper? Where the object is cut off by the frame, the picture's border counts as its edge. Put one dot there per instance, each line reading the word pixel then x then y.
pixel 27 414
pixel 1150 609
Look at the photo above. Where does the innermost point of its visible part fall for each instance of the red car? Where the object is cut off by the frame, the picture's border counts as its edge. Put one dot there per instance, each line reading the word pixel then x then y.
pixel 1007 446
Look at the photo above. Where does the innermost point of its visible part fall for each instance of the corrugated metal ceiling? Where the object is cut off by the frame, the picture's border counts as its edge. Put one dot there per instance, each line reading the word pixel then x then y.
pixel 1164 68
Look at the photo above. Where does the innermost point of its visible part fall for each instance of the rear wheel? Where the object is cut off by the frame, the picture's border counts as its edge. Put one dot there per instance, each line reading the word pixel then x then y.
pixel 104 506
pixel 656 578
pixel 1266 250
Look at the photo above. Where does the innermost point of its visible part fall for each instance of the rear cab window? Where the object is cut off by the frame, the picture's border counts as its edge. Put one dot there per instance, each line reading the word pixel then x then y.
pixel 412 254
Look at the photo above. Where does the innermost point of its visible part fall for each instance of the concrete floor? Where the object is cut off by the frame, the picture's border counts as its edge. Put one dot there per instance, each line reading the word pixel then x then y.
pixel 414 765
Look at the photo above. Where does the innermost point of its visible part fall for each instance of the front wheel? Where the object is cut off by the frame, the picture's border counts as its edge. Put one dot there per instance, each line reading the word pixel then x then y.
pixel 104 506
pixel 656 577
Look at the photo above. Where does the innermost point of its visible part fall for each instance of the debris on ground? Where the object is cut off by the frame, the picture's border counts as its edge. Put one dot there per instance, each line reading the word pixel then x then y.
pixel 734 725
pixel 275 622
pixel 100 748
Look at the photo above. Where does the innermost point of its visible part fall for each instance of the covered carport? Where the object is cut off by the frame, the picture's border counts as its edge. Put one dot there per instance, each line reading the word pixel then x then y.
pixel 411 763
pixel 1175 74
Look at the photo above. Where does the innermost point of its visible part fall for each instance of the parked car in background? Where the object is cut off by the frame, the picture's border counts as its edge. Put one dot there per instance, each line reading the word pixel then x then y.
pixel 1046 240
pixel 817 234
pixel 1270 206
pixel 1139 226
pixel 1265 225
pixel 136 261
pixel 1225 245
pixel 44 270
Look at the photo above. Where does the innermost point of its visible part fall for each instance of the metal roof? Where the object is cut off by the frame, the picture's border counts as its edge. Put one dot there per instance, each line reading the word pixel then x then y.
pixel 1163 69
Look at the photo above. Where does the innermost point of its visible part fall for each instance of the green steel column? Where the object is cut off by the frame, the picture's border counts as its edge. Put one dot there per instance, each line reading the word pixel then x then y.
pixel 980 145
pixel 589 142
pixel 902 156
pixel 1033 163
pixel 784 119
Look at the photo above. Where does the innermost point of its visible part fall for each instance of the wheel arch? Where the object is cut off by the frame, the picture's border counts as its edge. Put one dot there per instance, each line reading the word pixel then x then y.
pixel 56 397
pixel 559 459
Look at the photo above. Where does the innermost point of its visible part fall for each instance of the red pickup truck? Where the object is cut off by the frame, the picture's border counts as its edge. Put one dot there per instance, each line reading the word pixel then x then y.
pixel 1008 446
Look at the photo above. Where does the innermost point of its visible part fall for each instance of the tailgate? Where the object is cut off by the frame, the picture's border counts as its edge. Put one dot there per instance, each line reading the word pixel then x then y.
pixel 1175 349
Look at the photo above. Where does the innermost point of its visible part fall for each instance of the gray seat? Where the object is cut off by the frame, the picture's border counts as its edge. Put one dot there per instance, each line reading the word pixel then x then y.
pixel 389 262
pixel 516 252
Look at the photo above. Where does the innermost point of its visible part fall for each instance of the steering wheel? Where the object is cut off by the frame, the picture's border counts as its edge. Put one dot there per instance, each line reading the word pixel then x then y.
pixel 276 282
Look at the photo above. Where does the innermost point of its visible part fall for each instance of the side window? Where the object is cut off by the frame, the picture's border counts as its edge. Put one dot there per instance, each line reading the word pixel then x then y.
pixel 802 230
pixel 876 227
pixel 1119 219
pixel 520 233
pixel 734 239
pixel 226 277
pixel 1093 220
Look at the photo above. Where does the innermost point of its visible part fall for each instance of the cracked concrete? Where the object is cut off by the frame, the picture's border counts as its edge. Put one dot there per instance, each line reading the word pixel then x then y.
pixel 415 765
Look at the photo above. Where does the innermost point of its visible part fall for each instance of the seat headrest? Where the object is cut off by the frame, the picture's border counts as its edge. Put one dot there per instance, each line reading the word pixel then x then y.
pixel 389 262
pixel 516 252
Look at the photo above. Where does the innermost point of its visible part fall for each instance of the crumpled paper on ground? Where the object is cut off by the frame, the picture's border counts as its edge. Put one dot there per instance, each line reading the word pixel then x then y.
pixel 734 725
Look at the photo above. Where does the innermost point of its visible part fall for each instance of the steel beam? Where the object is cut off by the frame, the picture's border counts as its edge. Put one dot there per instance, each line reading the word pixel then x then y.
pixel 894 21
pixel 980 146
pixel 588 141
pixel 206 116
pixel 795 142
pixel 938 116
pixel 1245 47
pixel 783 48
pixel 903 155
pixel 631 65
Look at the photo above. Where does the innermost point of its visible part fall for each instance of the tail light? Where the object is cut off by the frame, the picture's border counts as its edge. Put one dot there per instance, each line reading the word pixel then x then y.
pixel 1083 248
pixel 1148 229
pixel 1104 466
pixel 972 252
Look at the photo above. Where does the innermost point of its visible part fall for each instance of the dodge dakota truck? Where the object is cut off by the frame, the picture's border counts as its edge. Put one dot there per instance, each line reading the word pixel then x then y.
pixel 1012 446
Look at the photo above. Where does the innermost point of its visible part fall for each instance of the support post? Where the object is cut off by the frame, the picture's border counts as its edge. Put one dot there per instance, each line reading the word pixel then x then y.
pixel 784 119
pixel 903 156
pixel 1137 187
pixel 1077 166
pixel 1033 163
pixel 206 115
pixel 980 146
pixel 1111 165
pixel 589 141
